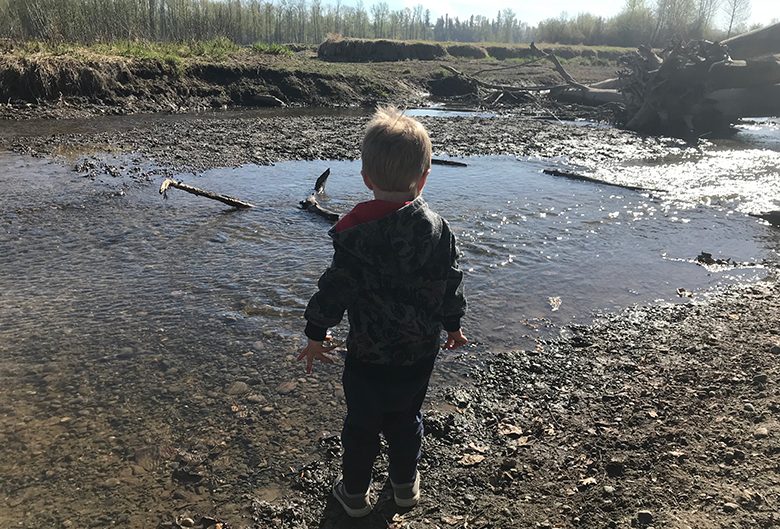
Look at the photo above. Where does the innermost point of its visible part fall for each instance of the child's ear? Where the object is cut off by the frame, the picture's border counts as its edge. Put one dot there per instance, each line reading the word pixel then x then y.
pixel 423 179
pixel 367 181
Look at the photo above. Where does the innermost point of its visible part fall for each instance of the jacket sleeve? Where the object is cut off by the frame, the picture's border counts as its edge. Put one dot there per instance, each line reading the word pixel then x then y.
pixel 454 306
pixel 326 307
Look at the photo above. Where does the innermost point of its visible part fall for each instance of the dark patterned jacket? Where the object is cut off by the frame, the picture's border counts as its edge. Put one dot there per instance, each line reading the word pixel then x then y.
pixel 399 281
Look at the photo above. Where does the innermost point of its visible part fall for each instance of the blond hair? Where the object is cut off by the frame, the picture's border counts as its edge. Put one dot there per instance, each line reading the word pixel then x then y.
pixel 396 151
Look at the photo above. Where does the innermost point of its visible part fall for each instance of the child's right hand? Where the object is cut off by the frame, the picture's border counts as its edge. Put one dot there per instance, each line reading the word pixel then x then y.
pixel 315 349
pixel 455 339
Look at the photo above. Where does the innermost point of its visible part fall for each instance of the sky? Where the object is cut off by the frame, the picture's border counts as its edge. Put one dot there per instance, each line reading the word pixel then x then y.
pixel 531 12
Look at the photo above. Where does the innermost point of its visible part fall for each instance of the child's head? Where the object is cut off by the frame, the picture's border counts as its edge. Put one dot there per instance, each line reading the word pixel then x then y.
pixel 396 152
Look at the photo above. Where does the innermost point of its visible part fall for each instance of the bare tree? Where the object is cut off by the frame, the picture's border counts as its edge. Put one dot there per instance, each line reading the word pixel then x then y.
pixel 705 13
pixel 737 13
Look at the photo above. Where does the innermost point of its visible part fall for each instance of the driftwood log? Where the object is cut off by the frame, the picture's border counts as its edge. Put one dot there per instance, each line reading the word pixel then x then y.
pixel 689 90
pixel 311 203
pixel 230 201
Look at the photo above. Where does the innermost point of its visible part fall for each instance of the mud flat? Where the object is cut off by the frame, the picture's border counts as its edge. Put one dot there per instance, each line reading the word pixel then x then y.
pixel 197 143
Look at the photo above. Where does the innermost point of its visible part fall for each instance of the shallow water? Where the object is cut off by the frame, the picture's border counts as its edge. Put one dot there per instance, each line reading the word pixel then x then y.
pixel 122 262
pixel 740 173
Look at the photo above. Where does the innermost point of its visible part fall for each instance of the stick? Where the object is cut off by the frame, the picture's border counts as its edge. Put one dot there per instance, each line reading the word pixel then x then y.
pixel 559 67
pixel 230 201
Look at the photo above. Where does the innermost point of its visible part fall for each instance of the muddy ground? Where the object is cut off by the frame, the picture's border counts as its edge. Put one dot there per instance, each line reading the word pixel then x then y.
pixel 662 416
pixel 196 143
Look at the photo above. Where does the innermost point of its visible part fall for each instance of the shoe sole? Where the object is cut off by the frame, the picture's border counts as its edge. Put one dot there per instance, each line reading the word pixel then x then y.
pixel 351 512
pixel 408 502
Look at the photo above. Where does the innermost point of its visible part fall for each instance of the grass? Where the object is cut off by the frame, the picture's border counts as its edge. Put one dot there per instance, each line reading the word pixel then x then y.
pixel 270 49
pixel 170 52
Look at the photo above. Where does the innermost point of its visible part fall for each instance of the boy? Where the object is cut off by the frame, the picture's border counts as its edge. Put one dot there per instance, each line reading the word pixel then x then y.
pixel 395 272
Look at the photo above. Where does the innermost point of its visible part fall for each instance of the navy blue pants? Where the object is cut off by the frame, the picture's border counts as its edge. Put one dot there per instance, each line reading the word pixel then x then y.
pixel 388 402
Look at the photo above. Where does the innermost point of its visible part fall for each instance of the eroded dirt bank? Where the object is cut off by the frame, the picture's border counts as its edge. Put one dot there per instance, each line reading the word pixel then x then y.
pixel 83 83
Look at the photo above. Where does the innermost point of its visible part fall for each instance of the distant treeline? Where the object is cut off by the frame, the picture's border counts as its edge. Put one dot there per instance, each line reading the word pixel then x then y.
pixel 309 21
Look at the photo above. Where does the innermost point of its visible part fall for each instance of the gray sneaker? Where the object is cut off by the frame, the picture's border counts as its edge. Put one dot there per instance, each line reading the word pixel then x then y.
pixel 407 494
pixel 355 505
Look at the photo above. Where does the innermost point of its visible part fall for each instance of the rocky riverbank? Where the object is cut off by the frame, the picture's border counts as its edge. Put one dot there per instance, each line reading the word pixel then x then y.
pixel 657 416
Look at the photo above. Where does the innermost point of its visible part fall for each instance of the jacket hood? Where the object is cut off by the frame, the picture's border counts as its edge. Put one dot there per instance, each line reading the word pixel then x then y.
pixel 401 242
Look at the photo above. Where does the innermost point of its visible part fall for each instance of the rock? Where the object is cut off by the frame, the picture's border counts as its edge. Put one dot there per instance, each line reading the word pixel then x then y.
pixel 609 489
pixel 110 483
pixel 615 468
pixel 255 398
pixel 237 388
pixel 761 432
pixel 760 379
pixel 287 387
pixel 749 408
pixel 266 410
pixel 187 522
pixel 469 460
pixel 258 346
pixel 775 349
pixel 730 507
pixel 644 517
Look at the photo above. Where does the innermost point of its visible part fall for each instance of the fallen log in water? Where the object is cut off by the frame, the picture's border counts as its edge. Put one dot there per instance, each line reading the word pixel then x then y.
pixel 451 163
pixel 583 178
pixel 178 184
pixel 311 203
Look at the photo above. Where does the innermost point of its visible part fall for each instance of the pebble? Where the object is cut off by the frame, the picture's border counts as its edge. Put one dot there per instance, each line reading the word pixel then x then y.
pixel 644 517
pixel 775 349
pixel 237 388
pixel 761 432
pixel 609 489
pixel 760 379
pixel 749 408
pixel 287 387
pixel 256 399
pixel 730 507
pixel 187 522
pixel 258 346
pixel 267 409
pixel 615 468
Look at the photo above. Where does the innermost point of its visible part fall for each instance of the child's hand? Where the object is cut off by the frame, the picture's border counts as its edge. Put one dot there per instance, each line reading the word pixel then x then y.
pixel 315 349
pixel 455 339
